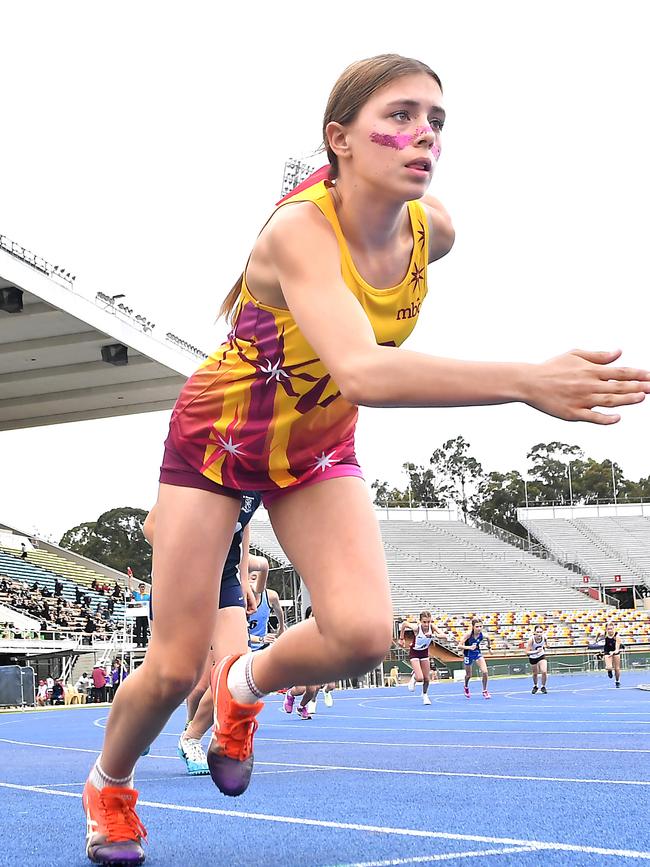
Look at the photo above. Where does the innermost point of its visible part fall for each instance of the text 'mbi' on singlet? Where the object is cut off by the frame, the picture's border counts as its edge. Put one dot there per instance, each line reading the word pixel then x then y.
pixel 262 412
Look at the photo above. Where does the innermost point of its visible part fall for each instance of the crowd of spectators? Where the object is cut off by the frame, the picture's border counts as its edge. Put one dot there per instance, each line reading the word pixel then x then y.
pixel 98 686
pixel 55 614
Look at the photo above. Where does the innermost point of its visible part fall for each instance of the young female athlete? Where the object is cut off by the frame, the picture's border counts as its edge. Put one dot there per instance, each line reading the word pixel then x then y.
pixel 536 649
pixel 236 599
pixel 419 651
pixel 473 655
pixel 332 288
pixel 267 602
pixel 612 652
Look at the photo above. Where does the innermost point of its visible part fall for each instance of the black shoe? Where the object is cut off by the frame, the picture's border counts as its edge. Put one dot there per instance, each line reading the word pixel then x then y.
pixel 534 690
pixel 544 690
pixel 609 674
pixel 618 683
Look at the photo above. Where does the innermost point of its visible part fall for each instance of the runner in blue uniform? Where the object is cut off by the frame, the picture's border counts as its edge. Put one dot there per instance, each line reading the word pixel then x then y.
pixel 473 656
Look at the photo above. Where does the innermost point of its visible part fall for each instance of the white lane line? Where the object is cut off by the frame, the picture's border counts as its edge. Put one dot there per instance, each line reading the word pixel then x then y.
pixel 400 771
pixel 429 773
pixel 443 856
pixel 372 829
pixel 448 746
pixel 434 730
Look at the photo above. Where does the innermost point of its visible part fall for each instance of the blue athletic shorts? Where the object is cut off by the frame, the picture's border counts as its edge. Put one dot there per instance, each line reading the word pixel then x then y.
pixel 472 657
pixel 231 595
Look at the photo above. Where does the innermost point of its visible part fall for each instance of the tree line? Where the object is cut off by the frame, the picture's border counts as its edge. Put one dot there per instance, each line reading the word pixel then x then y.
pixel 557 474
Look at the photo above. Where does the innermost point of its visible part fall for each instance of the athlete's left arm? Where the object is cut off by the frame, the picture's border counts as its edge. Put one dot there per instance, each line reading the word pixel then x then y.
pixel 274 601
pixel 617 647
pixel 441 230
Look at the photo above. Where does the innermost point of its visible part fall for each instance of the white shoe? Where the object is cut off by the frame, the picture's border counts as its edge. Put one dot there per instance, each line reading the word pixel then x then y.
pixel 426 699
pixel 411 684
pixel 327 698
pixel 311 707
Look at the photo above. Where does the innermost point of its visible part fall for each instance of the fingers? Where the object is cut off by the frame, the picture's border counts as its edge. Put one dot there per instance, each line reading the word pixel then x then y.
pixel 623 374
pixel 610 400
pixel 597 357
pixel 594 417
pixel 607 386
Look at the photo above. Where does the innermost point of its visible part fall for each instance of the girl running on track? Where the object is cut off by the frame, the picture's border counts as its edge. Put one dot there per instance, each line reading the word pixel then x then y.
pixel 332 288
pixel 612 652
pixel 536 649
pixel 419 651
pixel 473 655
pixel 236 599
pixel 267 602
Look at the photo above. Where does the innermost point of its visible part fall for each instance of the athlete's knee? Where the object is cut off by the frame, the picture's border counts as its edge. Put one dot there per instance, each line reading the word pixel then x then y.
pixel 368 642
pixel 176 681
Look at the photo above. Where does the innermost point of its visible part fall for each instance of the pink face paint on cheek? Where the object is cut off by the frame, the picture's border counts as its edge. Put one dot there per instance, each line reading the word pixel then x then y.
pixel 435 151
pixel 397 142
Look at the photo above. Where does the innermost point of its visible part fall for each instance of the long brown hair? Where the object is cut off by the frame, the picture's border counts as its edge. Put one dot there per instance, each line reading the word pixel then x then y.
pixel 353 89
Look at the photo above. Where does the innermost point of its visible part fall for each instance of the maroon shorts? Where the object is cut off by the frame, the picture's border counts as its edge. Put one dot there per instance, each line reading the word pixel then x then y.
pixel 176 470
pixel 419 654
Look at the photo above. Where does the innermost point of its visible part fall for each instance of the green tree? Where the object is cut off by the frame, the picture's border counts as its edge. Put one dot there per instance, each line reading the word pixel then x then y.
pixel 456 473
pixel 498 498
pixel 635 490
pixel 550 469
pixel 114 539
pixel 421 490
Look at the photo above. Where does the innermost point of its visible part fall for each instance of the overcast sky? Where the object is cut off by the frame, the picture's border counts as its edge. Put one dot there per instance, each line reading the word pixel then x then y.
pixel 143 145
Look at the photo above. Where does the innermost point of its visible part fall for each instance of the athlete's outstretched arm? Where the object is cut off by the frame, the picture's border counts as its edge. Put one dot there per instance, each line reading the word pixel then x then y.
pixel 274 601
pixel 306 258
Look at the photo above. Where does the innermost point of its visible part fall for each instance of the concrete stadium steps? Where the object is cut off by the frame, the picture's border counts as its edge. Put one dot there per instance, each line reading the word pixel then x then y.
pixel 27 572
pixel 450 566
pixel 579 541
pixel 627 538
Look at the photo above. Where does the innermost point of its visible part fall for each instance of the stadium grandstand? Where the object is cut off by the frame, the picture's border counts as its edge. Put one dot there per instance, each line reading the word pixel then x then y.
pixel 67 357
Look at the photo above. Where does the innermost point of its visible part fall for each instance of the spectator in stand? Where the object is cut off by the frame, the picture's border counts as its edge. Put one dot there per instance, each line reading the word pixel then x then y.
pixel 23 551
pixel 58 692
pixel 41 695
pixel 84 684
pixel 99 684
pixel 46 592
pixel 141 623
pixel 4 584
pixel 58 587
pixel 118 674
pixel 93 585
pixel 77 595
pixel 110 605
pixel 35 586
pixel 87 600
pixel 117 591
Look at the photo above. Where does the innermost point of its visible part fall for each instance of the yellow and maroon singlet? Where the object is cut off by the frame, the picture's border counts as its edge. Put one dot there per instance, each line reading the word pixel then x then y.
pixel 262 413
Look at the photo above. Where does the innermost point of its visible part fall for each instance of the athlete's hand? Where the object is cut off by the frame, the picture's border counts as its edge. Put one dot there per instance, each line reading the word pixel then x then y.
pixel 571 385
pixel 401 642
pixel 251 602
pixel 269 638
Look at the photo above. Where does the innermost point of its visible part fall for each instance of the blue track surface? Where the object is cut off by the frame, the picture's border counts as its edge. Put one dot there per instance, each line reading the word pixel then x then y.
pixel 561 779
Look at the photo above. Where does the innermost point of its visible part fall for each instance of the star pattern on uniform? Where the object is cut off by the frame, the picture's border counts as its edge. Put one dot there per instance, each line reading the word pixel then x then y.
pixel 324 462
pixel 272 371
pixel 417 277
pixel 422 235
pixel 230 447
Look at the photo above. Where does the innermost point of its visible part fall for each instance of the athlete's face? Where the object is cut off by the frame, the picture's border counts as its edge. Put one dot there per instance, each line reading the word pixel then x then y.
pixel 394 142
pixel 538 632
pixel 610 628
pixel 477 627
pixel 425 623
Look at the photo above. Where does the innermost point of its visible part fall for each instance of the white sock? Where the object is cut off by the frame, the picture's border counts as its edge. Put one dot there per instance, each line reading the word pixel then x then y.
pixel 100 779
pixel 240 681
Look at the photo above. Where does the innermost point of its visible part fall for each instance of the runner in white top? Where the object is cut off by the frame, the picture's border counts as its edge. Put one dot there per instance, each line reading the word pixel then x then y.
pixel 536 649
pixel 419 651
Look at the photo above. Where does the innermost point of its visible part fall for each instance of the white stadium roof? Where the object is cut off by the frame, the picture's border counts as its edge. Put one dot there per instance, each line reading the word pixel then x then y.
pixel 65 357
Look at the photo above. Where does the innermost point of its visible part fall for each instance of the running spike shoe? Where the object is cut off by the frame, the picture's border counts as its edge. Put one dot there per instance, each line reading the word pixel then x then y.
pixel 191 751
pixel 327 698
pixel 303 713
pixel 114 833
pixel 287 704
pixel 486 694
pixel 230 754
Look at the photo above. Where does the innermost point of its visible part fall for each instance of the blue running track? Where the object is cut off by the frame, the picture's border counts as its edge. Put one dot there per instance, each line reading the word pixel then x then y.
pixel 379 779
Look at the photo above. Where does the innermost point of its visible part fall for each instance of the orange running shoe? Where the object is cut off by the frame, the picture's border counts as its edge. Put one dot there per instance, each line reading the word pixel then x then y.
pixel 230 754
pixel 114 832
